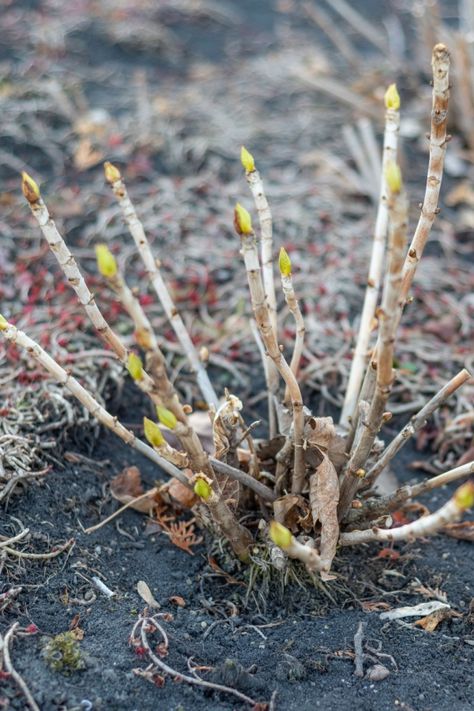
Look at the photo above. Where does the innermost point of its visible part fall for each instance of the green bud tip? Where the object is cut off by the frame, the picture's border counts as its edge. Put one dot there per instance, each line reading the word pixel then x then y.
pixel 135 366
pixel 284 262
pixel 166 417
pixel 153 433
pixel 203 489
pixel 392 98
pixel 247 160
pixel 280 535
pixel 105 261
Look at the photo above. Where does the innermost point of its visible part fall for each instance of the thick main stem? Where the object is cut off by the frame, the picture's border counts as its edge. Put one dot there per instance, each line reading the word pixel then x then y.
pixel 374 280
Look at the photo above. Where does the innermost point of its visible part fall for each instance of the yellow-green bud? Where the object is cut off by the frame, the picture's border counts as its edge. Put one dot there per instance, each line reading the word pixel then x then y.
pixel 30 188
pixel 135 366
pixel 3 323
pixel 203 489
pixel 166 417
pixel 112 173
pixel 105 261
pixel 247 160
pixel 464 496
pixel 153 433
pixel 242 220
pixel 280 535
pixel 284 262
pixel 392 98
pixel 393 177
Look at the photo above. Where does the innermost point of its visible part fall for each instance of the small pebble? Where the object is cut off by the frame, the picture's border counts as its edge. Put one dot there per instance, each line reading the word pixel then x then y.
pixel 377 673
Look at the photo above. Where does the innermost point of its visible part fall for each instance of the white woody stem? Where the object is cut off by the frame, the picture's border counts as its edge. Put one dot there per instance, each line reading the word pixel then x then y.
pixel 438 141
pixel 73 274
pixel 154 274
pixel 266 231
pixel 260 308
pixel 398 211
pixel 374 280
pixel 416 423
pixel 13 335
pixel 144 334
pixel 425 526
pixel 293 305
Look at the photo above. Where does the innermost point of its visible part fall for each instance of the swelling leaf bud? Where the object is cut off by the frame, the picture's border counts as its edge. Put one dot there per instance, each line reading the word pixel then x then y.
pixel 105 261
pixel 284 262
pixel 242 220
pixel 247 160
pixel 392 98
pixel 153 433
pixel 280 535
pixel 30 188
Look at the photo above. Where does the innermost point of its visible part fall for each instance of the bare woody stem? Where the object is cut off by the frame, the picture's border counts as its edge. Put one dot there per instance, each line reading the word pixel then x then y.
pixel 415 424
pixel 374 280
pixel 438 140
pixel 73 274
pixel 262 318
pixel 398 211
pixel 393 501
pixel 425 526
pixel 154 274
pixel 255 183
pixel 293 305
pixel 85 398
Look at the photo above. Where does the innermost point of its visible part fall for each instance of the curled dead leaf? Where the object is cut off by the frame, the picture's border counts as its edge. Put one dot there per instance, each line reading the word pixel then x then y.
pixel 127 485
pixel 430 622
pixel 324 498
pixel 177 600
pixel 463 531
pixel 293 512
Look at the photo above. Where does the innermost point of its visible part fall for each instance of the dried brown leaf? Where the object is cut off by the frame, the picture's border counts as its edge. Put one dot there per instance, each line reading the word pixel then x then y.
pixel 293 512
pixel 320 432
pixel 127 485
pixel 430 622
pixel 324 498
pixel 180 493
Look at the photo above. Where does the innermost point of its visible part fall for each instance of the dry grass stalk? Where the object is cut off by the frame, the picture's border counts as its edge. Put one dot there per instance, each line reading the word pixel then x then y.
pixel 374 280
pixel 114 178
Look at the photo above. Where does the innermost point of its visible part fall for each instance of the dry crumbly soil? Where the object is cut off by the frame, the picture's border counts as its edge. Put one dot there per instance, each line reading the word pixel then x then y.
pixel 228 65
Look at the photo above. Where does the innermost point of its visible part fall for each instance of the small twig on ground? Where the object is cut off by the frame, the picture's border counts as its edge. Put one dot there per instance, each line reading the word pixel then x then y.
pixel 149 624
pixel 358 650
pixel 40 556
pixel 7 664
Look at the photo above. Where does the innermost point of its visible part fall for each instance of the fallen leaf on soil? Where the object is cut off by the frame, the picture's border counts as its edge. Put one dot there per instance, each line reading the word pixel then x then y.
pixel 424 608
pixel 388 553
pixel 430 622
pixel 324 498
pixel 127 485
pixel 218 570
pixel 378 672
pixel 145 593
pixel 177 600
pixel 464 530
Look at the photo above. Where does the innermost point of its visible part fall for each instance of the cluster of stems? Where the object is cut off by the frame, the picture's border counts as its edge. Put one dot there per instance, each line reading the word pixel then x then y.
pixel 321 482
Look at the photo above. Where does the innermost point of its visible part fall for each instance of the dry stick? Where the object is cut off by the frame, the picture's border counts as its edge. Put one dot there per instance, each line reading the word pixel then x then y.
pixel 137 231
pixel 398 212
pixel 255 183
pixel 359 23
pixel 40 556
pixel 10 669
pixel 374 280
pixel 14 539
pixel 72 272
pixel 438 141
pixel 452 511
pixel 415 424
pixel 292 302
pixel 136 499
pixel 150 623
pixel 393 501
pixel 358 650
pixel 262 317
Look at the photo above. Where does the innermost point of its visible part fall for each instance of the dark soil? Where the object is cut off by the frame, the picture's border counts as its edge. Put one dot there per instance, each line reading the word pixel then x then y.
pixel 298 644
